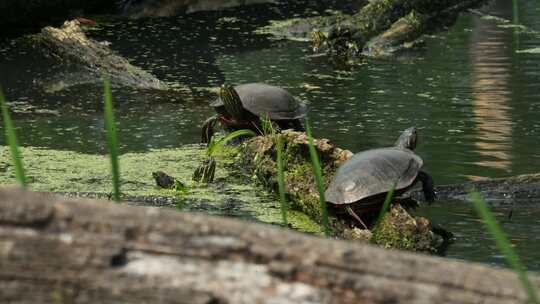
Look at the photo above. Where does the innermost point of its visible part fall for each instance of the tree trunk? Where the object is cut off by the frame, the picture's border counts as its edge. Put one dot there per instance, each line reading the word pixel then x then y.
pixel 82 251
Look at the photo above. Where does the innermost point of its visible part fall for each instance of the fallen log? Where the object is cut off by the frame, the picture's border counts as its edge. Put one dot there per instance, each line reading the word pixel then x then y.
pixel 521 189
pixel 54 249
pixel 69 45
pixel 379 28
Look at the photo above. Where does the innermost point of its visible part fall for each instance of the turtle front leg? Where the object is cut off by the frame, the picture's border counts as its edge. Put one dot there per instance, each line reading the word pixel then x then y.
pixel 298 125
pixel 427 186
pixel 208 129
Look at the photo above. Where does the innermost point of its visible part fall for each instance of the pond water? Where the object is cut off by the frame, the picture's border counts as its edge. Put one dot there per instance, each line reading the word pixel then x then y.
pixel 474 91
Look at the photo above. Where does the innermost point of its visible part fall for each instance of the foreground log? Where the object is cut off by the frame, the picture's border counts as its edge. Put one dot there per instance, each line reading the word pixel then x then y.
pixel 69 45
pixel 82 251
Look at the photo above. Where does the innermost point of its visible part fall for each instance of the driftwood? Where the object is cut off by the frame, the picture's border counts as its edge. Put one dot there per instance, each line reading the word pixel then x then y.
pixel 54 250
pixel 69 44
pixel 521 189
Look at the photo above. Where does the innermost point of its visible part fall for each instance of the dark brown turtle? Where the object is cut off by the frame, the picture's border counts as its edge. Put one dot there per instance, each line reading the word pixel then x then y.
pixel 243 107
pixel 363 181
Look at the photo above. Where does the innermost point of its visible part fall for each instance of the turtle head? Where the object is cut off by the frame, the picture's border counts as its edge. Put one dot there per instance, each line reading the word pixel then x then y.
pixel 318 39
pixel 408 139
pixel 231 102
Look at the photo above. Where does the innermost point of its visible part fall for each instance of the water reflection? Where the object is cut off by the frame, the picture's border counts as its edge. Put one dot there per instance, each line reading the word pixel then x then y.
pixel 491 92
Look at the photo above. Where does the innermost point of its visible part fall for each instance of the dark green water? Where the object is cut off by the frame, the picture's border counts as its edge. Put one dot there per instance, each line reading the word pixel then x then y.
pixel 474 95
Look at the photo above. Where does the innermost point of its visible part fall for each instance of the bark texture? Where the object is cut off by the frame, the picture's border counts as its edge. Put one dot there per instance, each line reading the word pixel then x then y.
pixel 69 45
pixel 54 250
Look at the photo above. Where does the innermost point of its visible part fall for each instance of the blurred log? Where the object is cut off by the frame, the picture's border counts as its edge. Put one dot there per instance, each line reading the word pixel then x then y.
pixel 82 251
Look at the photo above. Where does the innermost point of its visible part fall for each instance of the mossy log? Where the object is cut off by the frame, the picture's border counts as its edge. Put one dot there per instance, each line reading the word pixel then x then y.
pixel 379 28
pixel 55 250
pixel 69 45
pixel 414 19
pixel 397 230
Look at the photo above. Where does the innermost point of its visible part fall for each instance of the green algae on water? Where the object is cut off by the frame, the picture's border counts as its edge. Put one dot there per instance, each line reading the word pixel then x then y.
pixel 232 194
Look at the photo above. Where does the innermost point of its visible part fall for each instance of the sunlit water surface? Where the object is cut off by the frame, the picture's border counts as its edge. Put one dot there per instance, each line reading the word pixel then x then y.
pixel 474 92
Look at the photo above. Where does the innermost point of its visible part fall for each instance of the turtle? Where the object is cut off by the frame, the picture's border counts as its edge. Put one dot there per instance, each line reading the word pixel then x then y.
pixel 243 107
pixel 362 182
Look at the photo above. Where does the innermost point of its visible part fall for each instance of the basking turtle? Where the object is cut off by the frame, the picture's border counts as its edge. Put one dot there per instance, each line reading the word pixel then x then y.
pixel 243 106
pixel 363 181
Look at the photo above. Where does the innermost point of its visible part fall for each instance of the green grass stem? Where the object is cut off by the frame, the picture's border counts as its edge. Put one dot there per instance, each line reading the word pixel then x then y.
pixel 318 178
pixel 281 180
pixel 386 203
pixel 11 138
pixel 112 142
pixel 504 245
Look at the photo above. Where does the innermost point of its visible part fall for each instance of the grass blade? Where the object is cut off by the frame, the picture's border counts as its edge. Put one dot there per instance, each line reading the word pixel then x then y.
pixel 281 180
pixel 11 138
pixel 318 178
pixel 386 204
pixel 215 146
pixel 504 245
pixel 112 142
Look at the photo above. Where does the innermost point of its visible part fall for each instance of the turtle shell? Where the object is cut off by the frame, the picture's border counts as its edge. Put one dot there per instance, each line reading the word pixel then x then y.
pixel 262 99
pixel 373 172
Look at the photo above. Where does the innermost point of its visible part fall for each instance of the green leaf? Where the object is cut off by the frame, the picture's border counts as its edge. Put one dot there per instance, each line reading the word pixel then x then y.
pixel 386 203
pixel 215 146
pixel 281 180
pixel 112 142
pixel 11 138
pixel 318 178
pixel 504 245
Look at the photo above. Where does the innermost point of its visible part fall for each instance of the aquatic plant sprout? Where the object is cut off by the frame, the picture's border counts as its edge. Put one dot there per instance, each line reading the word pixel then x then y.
pixel 11 138
pixel 112 142
pixel 206 171
pixel 215 145
pixel 504 245
pixel 318 178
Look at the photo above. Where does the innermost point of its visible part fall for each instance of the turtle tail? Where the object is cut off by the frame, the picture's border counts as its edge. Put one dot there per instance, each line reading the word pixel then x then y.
pixel 356 217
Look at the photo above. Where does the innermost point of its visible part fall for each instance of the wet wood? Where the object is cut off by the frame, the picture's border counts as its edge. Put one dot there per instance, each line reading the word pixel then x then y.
pixel 520 189
pixel 70 45
pixel 54 249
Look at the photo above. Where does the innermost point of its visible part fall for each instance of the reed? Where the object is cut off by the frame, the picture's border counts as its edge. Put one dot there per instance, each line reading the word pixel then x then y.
pixel 318 179
pixel 281 181
pixel 504 245
pixel 112 142
pixel 11 138
pixel 386 203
